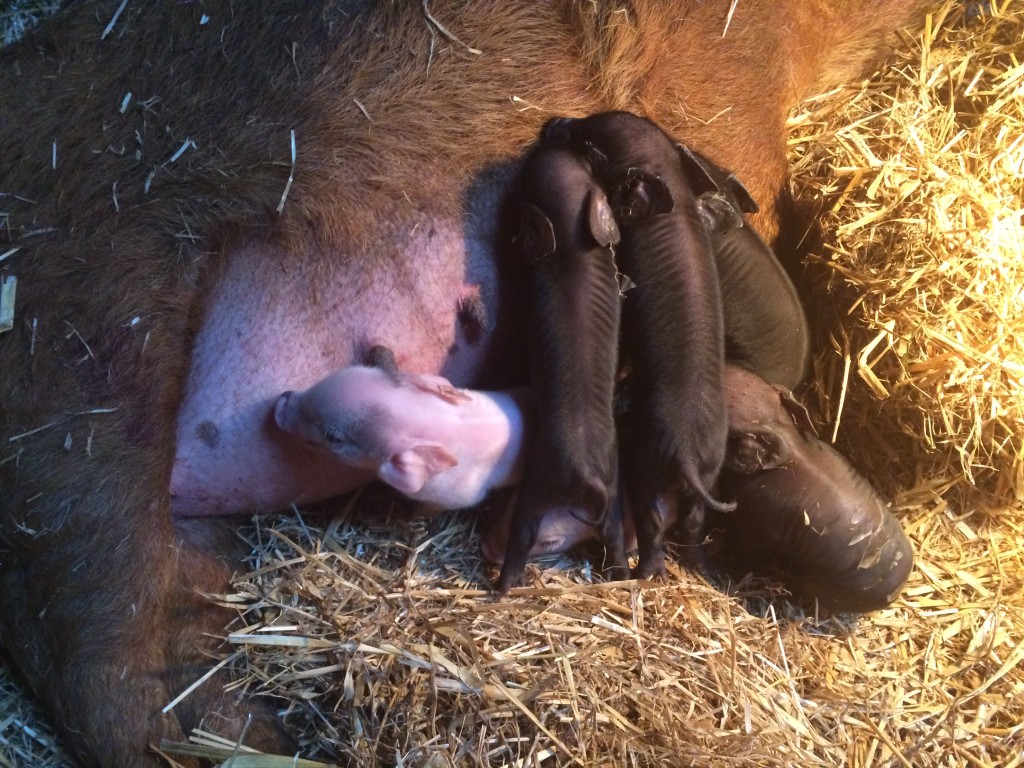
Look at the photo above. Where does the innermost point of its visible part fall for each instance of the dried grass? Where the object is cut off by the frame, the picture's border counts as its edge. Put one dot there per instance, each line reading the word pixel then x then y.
pixel 25 738
pixel 18 16
pixel 390 650
pixel 382 638
pixel 921 174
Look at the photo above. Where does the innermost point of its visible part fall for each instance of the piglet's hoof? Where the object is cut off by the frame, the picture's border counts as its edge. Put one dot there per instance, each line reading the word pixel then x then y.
pixel 651 570
pixel 803 513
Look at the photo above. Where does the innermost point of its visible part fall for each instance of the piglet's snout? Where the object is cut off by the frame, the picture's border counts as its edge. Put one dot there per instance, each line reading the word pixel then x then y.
pixel 282 411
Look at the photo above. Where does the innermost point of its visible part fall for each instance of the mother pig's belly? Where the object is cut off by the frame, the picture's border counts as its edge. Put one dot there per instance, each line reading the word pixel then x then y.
pixel 276 322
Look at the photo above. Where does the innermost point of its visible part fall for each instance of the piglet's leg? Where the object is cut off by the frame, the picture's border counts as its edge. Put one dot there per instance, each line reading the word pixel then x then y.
pixel 692 532
pixel 650 538
pixel 560 529
pixel 613 535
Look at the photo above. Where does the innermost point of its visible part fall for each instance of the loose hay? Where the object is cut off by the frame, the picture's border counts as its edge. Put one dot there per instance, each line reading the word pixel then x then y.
pixel 383 641
pixel 383 638
pixel 25 738
pixel 18 16
pixel 921 175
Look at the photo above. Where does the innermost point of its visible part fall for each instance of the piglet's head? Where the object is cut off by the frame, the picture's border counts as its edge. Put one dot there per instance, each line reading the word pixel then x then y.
pixel 768 428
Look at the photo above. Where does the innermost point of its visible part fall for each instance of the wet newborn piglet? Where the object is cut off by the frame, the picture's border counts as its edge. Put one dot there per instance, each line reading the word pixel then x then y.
pixel 673 437
pixel 565 240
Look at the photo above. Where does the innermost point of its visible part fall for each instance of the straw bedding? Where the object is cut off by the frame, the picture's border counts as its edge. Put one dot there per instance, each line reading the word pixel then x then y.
pixel 379 632
pixel 921 173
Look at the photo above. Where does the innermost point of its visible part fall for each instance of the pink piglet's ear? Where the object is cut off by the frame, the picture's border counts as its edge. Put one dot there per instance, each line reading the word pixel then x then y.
pixel 438 386
pixel 409 470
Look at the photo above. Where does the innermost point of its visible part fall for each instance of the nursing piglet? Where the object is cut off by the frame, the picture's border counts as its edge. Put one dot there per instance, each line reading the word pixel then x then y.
pixel 442 446
pixel 673 436
pixel 565 240
pixel 765 326
pixel 802 512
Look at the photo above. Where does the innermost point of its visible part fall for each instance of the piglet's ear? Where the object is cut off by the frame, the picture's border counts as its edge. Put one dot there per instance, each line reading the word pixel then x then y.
pixel 600 218
pixel 707 178
pixel 743 199
pixel 438 386
pixel 409 470
pixel 639 196
pixel 595 156
pixel 697 171
pixel 796 411
pixel 536 234
pixel 752 452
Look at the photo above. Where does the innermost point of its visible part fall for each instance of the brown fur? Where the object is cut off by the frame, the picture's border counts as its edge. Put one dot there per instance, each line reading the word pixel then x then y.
pixel 95 599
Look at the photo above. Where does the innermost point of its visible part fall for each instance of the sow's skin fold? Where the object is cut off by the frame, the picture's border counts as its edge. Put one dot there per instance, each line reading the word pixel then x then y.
pixel 802 511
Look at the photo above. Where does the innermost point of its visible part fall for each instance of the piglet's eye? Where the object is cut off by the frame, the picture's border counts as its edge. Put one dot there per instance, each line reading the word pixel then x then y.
pixel 332 438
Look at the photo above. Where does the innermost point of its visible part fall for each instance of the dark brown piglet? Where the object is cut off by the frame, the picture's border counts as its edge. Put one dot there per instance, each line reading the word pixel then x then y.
pixel 765 326
pixel 673 436
pixel 572 328
pixel 802 512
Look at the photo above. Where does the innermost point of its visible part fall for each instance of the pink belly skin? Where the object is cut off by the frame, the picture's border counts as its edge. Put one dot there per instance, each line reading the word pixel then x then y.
pixel 274 326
